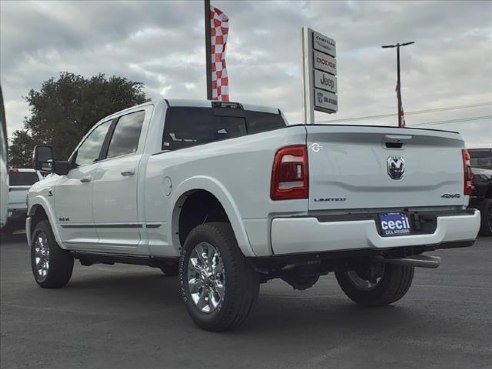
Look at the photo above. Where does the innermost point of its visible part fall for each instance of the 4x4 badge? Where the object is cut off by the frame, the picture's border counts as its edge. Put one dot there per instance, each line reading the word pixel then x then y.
pixel 396 167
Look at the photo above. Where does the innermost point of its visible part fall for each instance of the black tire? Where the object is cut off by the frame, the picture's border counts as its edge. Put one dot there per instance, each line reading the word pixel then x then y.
pixel 240 281
pixel 57 271
pixel 486 217
pixel 391 286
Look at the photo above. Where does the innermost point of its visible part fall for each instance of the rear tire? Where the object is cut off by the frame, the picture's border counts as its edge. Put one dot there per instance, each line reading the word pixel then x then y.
pixel 218 285
pixel 51 266
pixel 392 285
pixel 486 217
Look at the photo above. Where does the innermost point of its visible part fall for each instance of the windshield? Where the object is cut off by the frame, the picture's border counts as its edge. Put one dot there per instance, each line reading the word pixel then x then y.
pixel 22 178
pixel 481 159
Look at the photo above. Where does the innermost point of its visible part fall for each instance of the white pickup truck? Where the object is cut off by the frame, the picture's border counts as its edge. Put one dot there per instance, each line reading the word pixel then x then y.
pixel 20 181
pixel 228 197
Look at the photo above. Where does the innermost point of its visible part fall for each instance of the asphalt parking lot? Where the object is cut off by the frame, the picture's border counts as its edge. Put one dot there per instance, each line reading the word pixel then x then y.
pixel 132 317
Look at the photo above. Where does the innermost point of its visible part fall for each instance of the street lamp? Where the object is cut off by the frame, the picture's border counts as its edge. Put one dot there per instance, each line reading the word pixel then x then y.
pixel 398 83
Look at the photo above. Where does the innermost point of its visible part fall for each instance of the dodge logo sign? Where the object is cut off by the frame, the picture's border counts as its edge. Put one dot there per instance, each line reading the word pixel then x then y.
pixel 396 167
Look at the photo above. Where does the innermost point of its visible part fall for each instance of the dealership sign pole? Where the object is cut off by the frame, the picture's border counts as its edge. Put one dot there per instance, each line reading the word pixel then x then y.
pixel 319 74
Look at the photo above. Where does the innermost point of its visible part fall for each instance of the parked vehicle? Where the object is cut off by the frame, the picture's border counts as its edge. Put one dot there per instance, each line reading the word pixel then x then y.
pixel 481 166
pixel 4 178
pixel 20 181
pixel 228 197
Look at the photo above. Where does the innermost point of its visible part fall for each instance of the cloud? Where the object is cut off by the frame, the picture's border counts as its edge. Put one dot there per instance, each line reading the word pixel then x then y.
pixel 161 44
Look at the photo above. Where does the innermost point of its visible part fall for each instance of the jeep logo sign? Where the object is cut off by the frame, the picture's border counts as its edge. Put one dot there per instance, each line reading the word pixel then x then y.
pixel 396 167
pixel 325 81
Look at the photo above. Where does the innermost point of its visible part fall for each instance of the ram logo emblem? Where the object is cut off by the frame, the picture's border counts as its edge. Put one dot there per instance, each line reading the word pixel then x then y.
pixel 396 167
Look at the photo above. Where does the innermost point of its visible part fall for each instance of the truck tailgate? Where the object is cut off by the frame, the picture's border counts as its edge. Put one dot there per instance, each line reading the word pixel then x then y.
pixel 17 196
pixel 357 167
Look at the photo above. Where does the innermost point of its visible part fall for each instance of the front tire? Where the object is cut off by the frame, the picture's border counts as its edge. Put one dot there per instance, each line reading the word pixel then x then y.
pixel 390 284
pixel 51 266
pixel 218 285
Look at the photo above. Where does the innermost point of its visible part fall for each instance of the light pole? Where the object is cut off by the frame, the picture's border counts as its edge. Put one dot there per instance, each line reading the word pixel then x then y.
pixel 398 83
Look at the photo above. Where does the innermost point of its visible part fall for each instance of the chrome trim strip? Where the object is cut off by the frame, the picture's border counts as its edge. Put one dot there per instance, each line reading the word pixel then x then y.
pixel 129 225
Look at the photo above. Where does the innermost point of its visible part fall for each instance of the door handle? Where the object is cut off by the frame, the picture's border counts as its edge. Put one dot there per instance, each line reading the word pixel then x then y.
pixel 86 179
pixel 397 138
pixel 127 172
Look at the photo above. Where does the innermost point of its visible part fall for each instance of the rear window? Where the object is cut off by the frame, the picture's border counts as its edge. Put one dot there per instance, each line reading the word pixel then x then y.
pixel 261 122
pixel 22 178
pixel 481 159
pixel 188 126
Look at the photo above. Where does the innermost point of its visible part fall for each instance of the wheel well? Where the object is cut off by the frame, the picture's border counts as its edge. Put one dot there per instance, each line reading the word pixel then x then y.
pixel 199 207
pixel 39 215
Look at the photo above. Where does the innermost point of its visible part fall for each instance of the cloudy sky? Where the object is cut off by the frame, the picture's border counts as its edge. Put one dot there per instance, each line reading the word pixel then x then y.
pixel 446 74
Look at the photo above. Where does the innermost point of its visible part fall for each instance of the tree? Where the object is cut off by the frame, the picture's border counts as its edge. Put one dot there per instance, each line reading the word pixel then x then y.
pixel 65 109
pixel 20 152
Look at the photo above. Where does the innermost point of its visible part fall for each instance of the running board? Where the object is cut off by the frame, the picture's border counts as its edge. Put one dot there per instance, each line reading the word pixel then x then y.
pixel 422 261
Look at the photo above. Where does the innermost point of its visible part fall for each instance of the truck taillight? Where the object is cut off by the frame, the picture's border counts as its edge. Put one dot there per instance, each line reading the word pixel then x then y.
pixel 290 177
pixel 468 176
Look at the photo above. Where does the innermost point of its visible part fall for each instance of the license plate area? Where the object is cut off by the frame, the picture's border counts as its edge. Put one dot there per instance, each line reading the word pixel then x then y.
pixel 394 224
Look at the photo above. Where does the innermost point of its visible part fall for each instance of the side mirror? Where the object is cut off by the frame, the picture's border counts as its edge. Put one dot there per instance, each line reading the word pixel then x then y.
pixel 43 159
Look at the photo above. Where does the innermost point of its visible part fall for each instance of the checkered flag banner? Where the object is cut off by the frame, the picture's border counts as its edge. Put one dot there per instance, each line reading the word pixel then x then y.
pixel 219 29
pixel 402 117
pixel 401 114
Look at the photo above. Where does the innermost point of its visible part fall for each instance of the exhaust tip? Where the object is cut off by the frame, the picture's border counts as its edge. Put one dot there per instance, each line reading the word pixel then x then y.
pixel 420 261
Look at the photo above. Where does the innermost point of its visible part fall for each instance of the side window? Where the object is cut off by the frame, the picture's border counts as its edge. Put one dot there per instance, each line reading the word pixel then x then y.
pixel 90 149
pixel 126 135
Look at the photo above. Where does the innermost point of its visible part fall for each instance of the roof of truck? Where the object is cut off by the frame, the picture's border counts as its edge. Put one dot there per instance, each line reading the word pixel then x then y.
pixel 208 104
pixel 200 104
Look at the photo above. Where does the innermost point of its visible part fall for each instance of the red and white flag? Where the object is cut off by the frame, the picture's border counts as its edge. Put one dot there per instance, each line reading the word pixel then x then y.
pixel 401 113
pixel 402 117
pixel 219 29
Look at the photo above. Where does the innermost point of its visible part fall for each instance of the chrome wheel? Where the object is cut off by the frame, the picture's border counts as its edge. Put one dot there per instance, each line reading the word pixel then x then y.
pixel 41 255
pixel 206 277
pixel 210 263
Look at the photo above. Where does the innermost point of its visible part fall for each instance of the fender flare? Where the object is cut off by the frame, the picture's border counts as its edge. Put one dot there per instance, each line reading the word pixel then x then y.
pixel 39 201
pixel 215 188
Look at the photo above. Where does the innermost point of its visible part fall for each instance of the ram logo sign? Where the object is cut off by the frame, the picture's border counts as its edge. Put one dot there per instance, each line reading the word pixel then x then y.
pixel 396 167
